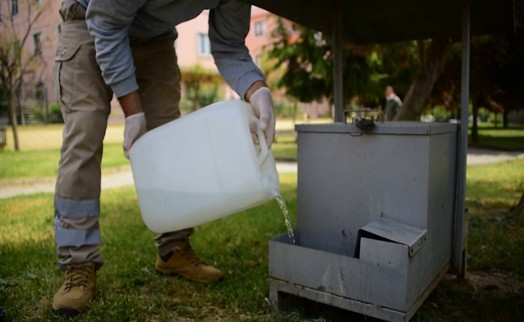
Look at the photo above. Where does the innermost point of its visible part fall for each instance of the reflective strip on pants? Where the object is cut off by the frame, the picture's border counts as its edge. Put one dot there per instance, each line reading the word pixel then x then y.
pixel 77 233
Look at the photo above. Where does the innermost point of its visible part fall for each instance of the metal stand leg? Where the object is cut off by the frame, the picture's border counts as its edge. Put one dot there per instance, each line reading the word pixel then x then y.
pixel 274 297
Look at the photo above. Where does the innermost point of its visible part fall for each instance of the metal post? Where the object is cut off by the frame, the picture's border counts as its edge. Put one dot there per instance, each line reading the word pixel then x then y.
pixel 338 78
pixel 459 252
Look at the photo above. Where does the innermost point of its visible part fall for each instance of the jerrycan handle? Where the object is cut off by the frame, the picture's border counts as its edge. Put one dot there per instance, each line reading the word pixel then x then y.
pixel 264 149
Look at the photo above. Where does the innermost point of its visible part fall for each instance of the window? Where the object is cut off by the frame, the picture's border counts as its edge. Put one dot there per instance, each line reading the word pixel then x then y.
pixel 37 44
pixel 260 28
pixel 0 12
pixel 14 7
pixel 203 45
pixel 39 2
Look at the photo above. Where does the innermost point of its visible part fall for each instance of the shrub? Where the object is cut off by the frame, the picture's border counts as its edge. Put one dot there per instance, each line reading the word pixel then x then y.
pixel 54 114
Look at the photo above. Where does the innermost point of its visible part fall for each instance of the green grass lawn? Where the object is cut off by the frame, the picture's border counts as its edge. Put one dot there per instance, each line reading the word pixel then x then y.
pixel 40 152
pixel 41 144
pixel 129 290
pixel 44 163
pixel 499 138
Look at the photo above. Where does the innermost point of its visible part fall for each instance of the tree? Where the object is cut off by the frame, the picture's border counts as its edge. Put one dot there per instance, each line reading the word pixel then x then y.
pixel 307 58
pixel 431 58
pixel 15 61
pixel 395 64
pixel 518 210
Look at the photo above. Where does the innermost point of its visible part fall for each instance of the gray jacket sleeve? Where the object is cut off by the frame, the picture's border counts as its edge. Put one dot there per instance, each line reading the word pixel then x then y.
pixel 109 22
pixel 228 27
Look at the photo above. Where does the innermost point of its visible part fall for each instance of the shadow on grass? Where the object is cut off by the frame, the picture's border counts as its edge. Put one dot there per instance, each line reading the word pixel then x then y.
pixel 459 300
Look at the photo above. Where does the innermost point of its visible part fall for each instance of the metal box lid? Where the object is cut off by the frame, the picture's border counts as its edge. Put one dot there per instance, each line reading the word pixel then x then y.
pixel 413 237
pixel 395 128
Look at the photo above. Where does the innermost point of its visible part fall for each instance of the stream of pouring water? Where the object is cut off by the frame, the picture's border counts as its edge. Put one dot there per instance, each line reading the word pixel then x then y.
pixel 283 207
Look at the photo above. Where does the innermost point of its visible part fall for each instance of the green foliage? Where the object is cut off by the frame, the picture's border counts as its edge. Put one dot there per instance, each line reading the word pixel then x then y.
pixel 440 113
pixel 202 87
pixel 393 64
pixel 207 94
pixel 308 64
pixel 485 115
pixel 54 114
pixel 306 57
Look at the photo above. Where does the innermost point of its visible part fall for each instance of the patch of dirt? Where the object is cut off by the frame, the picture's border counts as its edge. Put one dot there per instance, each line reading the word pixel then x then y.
pixel 493 281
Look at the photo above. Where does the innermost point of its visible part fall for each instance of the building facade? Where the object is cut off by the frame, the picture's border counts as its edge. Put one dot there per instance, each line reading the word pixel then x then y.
pixel 36 25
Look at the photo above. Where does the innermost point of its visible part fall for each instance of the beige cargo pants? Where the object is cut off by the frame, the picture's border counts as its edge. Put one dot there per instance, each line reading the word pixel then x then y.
pixel 85 103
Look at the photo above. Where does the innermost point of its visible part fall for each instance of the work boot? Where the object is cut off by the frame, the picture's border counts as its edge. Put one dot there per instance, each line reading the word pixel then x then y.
pixel 183 261
pixel 78 289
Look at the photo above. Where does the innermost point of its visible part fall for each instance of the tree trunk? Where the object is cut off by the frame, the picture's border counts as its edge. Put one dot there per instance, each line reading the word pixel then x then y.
pixel 475 127
pixel 20 111
pixel 519 209
pixel 431 59
pixel 12 118
pixel 505 118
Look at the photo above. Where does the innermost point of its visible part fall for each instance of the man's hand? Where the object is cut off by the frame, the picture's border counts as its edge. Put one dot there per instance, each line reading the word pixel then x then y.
pixel 135 125
pixel 262 103
pixel 134 128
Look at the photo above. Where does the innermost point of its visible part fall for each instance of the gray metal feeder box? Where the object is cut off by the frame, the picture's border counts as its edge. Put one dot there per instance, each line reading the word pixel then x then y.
pixel 375 217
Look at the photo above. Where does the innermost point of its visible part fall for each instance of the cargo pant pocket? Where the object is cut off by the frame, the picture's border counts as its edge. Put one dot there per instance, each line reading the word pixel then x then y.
pixel 65 71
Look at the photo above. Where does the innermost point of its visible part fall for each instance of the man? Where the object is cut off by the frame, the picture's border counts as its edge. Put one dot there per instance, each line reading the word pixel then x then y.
pixel 132 42
pixel 393 103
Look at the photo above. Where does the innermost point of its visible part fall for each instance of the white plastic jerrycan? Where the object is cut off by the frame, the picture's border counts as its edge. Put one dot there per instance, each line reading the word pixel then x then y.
pixel 201 167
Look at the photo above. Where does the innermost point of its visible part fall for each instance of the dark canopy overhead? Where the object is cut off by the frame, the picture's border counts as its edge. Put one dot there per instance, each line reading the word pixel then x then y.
pixel 375 21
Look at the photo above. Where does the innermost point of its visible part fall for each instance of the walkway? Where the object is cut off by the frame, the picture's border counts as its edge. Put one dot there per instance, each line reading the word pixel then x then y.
pixel 111 179
pixel 123 177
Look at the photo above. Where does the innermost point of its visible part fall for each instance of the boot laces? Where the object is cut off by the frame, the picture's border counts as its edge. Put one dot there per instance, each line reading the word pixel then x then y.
pixel 190 256
pixel 77 276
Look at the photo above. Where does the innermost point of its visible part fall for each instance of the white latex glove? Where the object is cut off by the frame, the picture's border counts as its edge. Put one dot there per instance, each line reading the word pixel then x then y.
pixel 134 128
pixel 262 103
